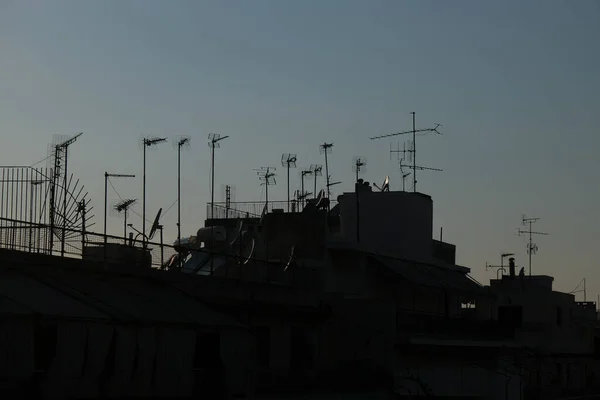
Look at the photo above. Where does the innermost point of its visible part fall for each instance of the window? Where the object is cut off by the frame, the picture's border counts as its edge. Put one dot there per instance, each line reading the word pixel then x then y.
pixel 263 343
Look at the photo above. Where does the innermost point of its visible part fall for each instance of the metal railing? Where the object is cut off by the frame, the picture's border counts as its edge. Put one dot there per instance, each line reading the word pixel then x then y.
pixel 250 209
pixel 35 238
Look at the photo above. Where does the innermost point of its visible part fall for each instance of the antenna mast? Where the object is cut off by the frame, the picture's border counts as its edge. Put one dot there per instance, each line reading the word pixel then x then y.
pixel 325 148
pixel 289 161
pixel 183 141
pixel 213 143
pixel 531 247
pixel 358 166
pixel 61 151
pixel 317 170
pixel 267 178
pixel 412 151
pixel 303 173
pixel 147 142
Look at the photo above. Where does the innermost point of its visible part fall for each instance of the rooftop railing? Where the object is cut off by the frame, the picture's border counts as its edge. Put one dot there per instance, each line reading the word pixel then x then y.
pixel 250 209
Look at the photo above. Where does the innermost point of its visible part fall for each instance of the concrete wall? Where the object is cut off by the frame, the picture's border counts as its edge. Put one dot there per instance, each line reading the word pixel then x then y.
pixel 91 358
pixel 394 222
pixel 540 322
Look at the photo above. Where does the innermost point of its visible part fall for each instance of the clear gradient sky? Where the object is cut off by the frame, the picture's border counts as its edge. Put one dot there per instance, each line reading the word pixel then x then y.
pixel 515 84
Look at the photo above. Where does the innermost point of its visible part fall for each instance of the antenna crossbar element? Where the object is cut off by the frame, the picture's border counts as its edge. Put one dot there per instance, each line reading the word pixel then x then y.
pixel 434 129
pixel 531 247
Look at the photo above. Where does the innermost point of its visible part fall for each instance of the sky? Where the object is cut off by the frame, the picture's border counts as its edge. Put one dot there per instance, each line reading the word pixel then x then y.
pixel 514 84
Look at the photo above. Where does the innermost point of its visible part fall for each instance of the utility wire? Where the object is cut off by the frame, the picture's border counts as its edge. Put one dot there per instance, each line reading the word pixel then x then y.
pixel 41 161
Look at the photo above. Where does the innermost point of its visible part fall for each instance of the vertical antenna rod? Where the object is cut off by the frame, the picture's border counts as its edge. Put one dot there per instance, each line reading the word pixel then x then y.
pixel 317 170
pixel 304 173
pixel 531 247
pixel 61 148
pixel 183 141
pixel 288 161
pixel 147 142
pixel 213 143
pixel 325 149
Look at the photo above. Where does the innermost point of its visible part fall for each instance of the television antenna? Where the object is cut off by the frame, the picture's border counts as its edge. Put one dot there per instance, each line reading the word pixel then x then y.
pixel 304 173
pixel 325 149
pixel 531 247
pixel 288 160
pixel 412 150
pixel 266 176
pixel 180 142
pixel 147 142
pixel 122 207
pixel 359 165
pixel 578 290
pixel 60 155
pixel 317 170
pixel 214 140
pixel 500 270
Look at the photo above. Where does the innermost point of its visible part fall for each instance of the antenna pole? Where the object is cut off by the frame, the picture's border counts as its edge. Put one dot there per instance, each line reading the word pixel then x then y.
pixel 178 196
pixel 147 142
pixel 105 203
pixel 106 176
pixel 125 227
pixel 214 139
pixel 414 132
pixel 327 174
pixel 531 247
pixel 143 201
pixel 64 227
pixel 302 185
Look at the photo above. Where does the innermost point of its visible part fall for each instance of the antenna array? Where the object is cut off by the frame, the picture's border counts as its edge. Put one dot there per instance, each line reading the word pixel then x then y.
pixel 411 152
pixel 531 247
pixel 359 165
pixel 266 176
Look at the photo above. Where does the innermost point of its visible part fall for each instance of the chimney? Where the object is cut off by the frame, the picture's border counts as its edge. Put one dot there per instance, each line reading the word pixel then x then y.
pixel 511 267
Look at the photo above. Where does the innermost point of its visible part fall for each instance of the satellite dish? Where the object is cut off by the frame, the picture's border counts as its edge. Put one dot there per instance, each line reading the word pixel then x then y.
pixel 155 225
pixel 249 245
pixel 290 259
pixel 319 198
pixel 386 185
pixel 238 232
